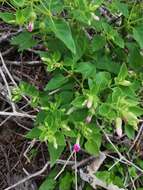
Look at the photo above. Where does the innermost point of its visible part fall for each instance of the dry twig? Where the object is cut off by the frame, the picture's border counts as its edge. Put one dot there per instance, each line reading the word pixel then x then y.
pixel 29 177
pixel 90 177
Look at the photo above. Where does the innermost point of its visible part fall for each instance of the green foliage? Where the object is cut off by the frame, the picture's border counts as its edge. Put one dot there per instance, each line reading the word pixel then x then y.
pixel 56 82
pixel 95 64
pixel 24 41
pixel 7 17
pixel 137 34
pixel 86 69
pixel 49 183
pixel 66 182
pixel 63 32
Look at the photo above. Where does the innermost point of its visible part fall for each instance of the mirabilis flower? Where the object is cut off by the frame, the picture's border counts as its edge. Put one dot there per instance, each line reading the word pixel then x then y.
pixel 76 147
pixel 30 26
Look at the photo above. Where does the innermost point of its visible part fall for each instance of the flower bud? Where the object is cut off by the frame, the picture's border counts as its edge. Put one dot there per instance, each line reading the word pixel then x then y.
pixel 125 83
pixel 118 124
pixel 89 104
pixel 95 17
pixel 42 26
pixel 33 16
pixel 88 119
pixel 30 26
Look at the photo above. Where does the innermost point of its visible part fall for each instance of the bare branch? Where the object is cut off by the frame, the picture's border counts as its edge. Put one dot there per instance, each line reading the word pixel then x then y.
pixel 17 114
pixel 29 177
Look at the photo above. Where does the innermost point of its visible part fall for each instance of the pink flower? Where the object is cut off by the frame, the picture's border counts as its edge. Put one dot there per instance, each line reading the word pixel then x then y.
pixel 88 119
pixel 76 147
pixel 119 132
pixel 89 104
pixel 118 124
pixel 30 26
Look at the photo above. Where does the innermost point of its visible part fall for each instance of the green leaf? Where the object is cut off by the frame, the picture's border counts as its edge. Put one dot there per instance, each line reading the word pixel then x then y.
pixel 82 16
pixel 56 82
pixel 131 118
pixel 138 34
pixel 132 172
pixel 113 35
pixel 24 41
pixel 106 64
pixel 129 131
pixel 20 18
pixel 81 42
pixel 66 97
pixel 78 101
pixel 118 40
pixel 48 184
pixel 66 182
pixel 54 153
pixel 88 187
pixel 55 6
pixel 87 69
pixel 92 147
pixel 28 89
pixel 34 133
pixel 104 175
pixel 138 111
pixel 98 43
pixel 135 58
pixel 102 80
pixel 18 3
pixel 7 17
pixel 123 73
pixel 69 132
pixel 117 94
pixel 78 115
pixel 60 139
pixel 122 7
pixel 107 111
pixel 41 116
pixel 62 31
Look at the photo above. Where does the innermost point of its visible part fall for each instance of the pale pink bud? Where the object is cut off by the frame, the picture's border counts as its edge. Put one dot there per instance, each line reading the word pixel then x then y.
pixel 95 17
pixel 76 147
pixel 30 26
pixel 119 131
pixel 88 119
pixel 119 127
pixel 89 104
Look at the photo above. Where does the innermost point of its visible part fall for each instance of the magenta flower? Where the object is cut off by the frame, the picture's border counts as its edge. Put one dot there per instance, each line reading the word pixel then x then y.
pixel 30 26
pixel 76 148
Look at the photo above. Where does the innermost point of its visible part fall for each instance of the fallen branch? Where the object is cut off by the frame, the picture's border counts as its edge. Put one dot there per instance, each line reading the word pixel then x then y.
pixel 29 177
pixel 8 89
pixel 17 114
pixel 90 177
pixel 94 181
pixel 25 63
pixel 122 158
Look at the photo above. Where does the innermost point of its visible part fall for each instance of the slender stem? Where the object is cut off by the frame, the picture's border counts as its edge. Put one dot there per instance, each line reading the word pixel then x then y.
pixel 76 185
pixel 63 168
